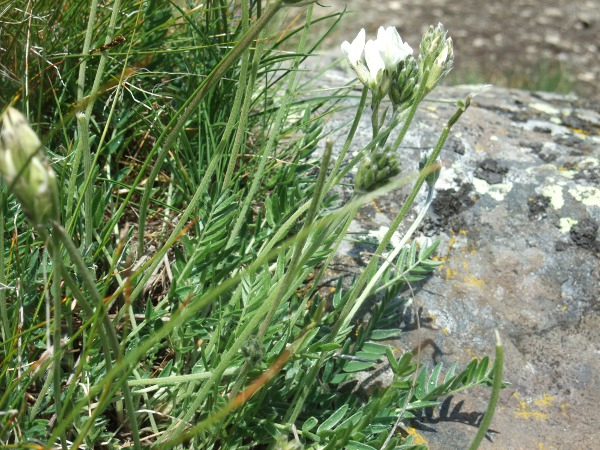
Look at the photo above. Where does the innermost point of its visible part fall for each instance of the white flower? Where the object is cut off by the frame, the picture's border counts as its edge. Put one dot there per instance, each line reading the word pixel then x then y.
pixel 365 59
pixel 355 55
pixel 354 51
pixel 391 47
pixel 375 63
pixel 370 60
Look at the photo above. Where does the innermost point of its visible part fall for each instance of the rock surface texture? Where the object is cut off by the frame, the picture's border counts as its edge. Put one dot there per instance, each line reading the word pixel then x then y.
pixel 517 210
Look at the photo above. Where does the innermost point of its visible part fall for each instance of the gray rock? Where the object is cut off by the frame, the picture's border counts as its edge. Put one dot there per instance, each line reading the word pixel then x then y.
pixel 517 212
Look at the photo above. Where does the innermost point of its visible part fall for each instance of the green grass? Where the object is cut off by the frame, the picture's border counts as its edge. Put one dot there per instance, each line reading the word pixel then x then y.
pixel 176 302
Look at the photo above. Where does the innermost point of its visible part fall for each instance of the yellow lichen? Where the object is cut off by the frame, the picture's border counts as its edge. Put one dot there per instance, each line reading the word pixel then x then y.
pixel 465 274
pixel 376 206
pixel 539 412
pixel 472 281
pixel 417 438
pixel 546 400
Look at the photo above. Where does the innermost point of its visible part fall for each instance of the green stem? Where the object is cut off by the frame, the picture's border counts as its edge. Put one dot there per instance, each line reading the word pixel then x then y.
pixel 375 117
pixel 494 397
pixel 83 150
pixel 83 126
pixel 345 316
pixel 109 331
pixel 176 379
pixel 333 179
pixel 6 332
pixel 80 94
pixel 109 116
pixel 239 111
pixel 388 260
pixel 89 32
pixel 41 399
pixel 340 159
pixel 56 369
pixel 412 111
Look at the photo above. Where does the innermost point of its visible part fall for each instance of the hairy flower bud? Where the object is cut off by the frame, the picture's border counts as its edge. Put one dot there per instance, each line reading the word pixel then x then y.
pixel 441 66
pixel 436 56
pixel 375 170
pixel 403 87
pixel 31 178
pixel 18 143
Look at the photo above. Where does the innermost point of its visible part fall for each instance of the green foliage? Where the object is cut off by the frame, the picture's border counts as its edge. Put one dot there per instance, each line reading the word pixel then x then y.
pixel 177 302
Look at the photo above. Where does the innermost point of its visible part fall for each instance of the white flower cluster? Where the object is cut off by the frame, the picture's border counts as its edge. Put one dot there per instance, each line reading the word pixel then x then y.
pixel 374 60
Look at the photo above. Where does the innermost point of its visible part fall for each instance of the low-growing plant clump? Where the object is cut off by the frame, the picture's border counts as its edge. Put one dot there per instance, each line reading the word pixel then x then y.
pixel 169 215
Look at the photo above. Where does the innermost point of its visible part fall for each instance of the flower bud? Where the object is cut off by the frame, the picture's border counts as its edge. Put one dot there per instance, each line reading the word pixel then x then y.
pixel 436 56
pixel 441 66
pixel 430 43
pixel 403 87
pixel 31 178
pixel 375 170
pixel 21 141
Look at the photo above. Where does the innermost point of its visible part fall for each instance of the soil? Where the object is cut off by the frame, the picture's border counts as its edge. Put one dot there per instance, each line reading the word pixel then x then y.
pixel 537 44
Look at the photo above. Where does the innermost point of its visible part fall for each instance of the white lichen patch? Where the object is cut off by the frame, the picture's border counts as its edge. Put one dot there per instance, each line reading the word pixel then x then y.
pixel 567 173
pixel 555 193
pixel 554 128
pixel 542 168
pixel 589 115
pixel 565 224
pixel 588 163
pixel 588 195
pixel 447 179
pixel 552 169
pixel 545 108
pixel 497 191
